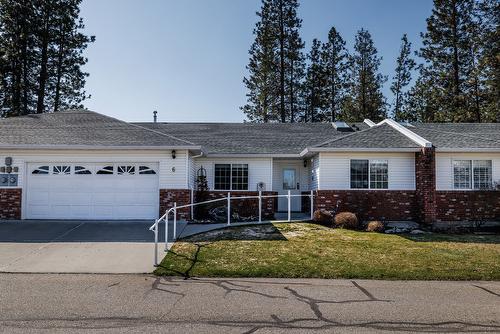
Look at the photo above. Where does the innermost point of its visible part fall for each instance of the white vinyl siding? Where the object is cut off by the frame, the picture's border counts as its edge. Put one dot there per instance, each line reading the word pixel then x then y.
pixel 444 167
pixel 259 170
pixel 314 173
pixel 168 179
pixel 335 169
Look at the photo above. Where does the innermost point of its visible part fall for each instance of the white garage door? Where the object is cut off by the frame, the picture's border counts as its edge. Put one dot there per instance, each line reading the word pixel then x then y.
pixel 92 191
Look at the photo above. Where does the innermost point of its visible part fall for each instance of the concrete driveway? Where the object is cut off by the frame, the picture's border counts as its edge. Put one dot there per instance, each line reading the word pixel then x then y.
pixel 77 246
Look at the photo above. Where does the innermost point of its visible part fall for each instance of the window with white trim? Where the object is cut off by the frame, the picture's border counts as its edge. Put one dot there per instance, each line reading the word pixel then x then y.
pixel 126 170
pixel 82 170
pixel 472 174
pixel 231 177
pixel 61 170
pixel 41 170
pixel 146 170
pixel 105 170
pixel 369 174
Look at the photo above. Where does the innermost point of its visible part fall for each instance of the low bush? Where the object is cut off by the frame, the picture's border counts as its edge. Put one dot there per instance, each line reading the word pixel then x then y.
pixel 346 220
pixel 375 226
pixel 323 217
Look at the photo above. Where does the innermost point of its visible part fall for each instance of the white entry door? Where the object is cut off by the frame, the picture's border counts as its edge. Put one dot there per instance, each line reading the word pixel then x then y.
pixel 290 181
pixel 92 191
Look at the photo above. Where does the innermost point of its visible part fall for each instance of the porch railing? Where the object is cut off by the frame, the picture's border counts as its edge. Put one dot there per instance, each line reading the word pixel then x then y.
pixel 228 199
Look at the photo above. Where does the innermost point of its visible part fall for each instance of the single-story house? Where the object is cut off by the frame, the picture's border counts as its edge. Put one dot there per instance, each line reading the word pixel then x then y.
pixel 81 164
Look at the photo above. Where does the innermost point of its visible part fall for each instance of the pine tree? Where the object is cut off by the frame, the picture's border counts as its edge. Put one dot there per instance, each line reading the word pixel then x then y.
pixel 262 81
pixel 35 57
pixel 276 63
pixel 314 85
pixel 402 78
pixel 68 79
pixel 335 65
pixel 489 60
pixel 295 69
pixel 367 98
pixel 450 52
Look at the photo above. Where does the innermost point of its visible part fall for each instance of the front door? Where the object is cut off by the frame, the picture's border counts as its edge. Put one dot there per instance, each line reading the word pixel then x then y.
pixel 290 181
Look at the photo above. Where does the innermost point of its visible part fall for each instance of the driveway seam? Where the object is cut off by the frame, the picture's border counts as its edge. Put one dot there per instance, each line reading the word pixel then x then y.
pixel 49 243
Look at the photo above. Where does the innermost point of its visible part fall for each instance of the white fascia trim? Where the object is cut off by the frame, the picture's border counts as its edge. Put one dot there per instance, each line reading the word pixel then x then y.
pixel 369 122
pixel 93 147
pixel 408 133
pixel 257 155
pixel 361 149
pixel 467 150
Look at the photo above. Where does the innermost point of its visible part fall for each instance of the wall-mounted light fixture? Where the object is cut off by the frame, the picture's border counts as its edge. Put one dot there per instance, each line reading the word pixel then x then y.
pixel 305 163
pixel 173 154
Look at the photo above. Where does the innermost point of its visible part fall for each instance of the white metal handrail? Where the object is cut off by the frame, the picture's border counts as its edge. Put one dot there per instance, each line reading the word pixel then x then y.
pixel 228 199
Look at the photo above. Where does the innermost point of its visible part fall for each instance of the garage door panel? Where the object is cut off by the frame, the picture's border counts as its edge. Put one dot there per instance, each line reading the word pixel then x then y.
pixel 38 198
pixel 91 196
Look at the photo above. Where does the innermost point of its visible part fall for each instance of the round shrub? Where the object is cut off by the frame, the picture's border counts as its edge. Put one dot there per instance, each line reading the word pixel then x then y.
pixel 346 220
pixel 323 217
pixel 375 226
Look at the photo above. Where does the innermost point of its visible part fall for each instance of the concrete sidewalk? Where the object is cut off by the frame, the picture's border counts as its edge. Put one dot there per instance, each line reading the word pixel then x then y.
pixel 147 304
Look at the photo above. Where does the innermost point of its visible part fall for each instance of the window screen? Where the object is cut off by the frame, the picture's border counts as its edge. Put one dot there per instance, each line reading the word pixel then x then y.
pixel 359 174
pixel 222 177
pixel 379 178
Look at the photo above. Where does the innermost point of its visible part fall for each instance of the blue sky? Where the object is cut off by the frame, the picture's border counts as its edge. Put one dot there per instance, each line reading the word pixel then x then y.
pixel 187 58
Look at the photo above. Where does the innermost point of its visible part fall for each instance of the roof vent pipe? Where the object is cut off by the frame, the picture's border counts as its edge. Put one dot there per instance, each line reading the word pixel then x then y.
pixel 155 118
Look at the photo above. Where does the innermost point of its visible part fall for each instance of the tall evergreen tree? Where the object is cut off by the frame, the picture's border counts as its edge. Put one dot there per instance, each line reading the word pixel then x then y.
pixel 335 64
pixel 368 100
pixel 34 55
pixel 489 62
pixel 451 60
pixel 402 78
pixel 276 58
pixel 314 85
pixel 262 80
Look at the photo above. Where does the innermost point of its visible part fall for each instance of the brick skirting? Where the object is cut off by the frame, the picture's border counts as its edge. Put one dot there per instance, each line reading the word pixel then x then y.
pixel 370 204
pixel 10 203
pixel 467 205
pixel 180 196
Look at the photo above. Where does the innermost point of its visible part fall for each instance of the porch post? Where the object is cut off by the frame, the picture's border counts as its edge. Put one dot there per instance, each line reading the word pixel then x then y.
pixel 166 232
pixel 175 221
pixel 228 208
pixel 156 243
pixel 192 202
pixel 312 204
pixel 260 206
pixel 289 207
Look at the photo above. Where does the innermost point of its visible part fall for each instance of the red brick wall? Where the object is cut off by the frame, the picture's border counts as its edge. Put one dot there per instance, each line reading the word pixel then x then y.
pixel 467 205
pixel 247 207
pixel 10 203
pixel 370 204
pixel 180 196
pixel 425 179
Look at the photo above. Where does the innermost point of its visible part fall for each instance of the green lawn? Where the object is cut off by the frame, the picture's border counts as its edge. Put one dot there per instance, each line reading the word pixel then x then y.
pixel 309 250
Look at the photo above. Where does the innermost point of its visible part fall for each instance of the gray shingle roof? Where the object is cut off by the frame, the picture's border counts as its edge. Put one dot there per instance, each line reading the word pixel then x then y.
pixel 460 135
pixel 378 137
pixel 82 128
pixel 251 138
pixel 79 128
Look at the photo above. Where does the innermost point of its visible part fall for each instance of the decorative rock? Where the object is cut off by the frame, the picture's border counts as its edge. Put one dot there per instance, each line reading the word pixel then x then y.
pixel 403 225
pixel 417 232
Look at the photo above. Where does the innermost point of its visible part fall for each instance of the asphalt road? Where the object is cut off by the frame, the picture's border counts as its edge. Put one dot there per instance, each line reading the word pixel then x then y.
pixel 50 303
